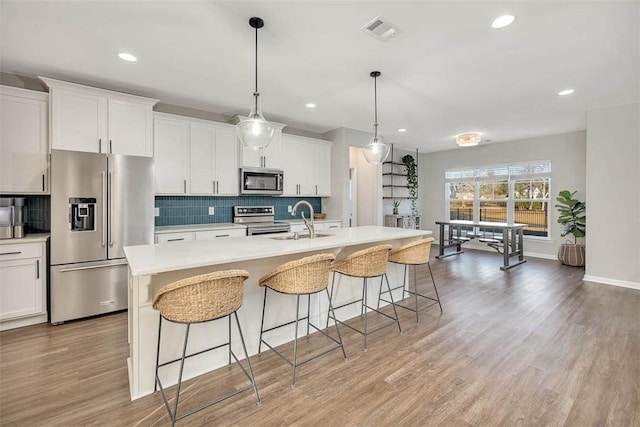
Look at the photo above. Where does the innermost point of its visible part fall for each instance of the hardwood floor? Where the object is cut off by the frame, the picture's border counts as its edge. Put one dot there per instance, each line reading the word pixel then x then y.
pixel 531 346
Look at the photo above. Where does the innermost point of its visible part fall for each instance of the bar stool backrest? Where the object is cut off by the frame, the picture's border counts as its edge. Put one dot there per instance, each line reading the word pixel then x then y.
pixel 303 276
pixel 202 298
pixel 370 262
pixel 414 253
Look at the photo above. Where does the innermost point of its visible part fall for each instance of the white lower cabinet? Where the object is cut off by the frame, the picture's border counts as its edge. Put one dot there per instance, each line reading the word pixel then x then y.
pixel 22 284
pixel 299 227
pixel 174 237
pixel 186 236
pixel 222 232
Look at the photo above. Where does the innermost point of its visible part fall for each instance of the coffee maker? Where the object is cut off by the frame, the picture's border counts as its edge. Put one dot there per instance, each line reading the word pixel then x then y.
pixel 12 217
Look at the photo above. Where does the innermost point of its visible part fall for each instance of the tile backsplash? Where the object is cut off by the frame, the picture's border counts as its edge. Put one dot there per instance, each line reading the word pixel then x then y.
pixel 38 213
pixel 178 210
pixel 181 210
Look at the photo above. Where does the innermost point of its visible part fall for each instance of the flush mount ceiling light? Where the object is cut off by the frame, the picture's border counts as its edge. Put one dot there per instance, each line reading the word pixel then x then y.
pixel 503 21
pixel 127 57
pixel 402 130
pixel 310 105
pixel 375 151
pixel 254 131
pixel 566 92
pixel 468 139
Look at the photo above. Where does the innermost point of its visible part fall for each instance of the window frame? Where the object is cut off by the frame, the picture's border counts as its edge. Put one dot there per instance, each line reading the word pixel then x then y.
pixel 534 170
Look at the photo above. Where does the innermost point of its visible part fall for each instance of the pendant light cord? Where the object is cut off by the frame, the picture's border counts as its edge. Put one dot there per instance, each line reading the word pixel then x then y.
pixel 375 107
pixel 256 61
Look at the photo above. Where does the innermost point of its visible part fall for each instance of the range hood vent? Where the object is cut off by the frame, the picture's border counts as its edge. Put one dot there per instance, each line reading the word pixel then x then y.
pixel 381 28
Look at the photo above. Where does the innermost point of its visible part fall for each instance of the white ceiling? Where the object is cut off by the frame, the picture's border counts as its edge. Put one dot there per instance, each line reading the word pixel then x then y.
pixel 447 72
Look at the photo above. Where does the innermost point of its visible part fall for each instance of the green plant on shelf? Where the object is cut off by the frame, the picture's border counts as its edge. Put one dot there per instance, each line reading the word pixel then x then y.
pixel 396 205
pixel 412 182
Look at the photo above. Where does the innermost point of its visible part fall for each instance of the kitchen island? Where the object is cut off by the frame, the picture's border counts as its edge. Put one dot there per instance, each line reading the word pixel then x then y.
pixel 153 266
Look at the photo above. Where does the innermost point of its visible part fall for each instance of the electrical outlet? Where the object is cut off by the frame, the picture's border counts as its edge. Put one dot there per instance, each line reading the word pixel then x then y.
pixel 289 208
pixel 212 210
pixel 156 211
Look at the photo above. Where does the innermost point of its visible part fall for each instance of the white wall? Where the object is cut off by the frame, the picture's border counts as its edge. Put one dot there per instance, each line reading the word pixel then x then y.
pixel 367 196
pixel 567 153
pixel 613 192
pixel 337 206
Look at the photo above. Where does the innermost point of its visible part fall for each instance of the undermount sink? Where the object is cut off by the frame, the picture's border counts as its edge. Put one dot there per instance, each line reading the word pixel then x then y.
pixel 300 236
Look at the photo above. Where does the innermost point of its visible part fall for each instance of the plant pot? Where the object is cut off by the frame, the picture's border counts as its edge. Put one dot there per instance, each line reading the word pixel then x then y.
pixel 395 211
pixel 571 254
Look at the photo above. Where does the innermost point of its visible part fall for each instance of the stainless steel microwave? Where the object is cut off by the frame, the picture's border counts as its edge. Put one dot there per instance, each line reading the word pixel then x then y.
pixel 259 181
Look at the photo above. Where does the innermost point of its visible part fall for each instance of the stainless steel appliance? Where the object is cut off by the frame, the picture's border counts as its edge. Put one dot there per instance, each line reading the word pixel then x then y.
pixel 12 217
pixel 258 181
pixel 99 204
pixel 259 220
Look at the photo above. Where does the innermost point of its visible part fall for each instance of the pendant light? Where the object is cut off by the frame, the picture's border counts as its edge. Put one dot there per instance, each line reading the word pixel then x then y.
pixel 254 131
pixel 375 151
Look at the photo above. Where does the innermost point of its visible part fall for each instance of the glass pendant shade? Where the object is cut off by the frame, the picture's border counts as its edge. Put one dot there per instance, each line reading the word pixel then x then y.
pixel 376 151
pixel 254 131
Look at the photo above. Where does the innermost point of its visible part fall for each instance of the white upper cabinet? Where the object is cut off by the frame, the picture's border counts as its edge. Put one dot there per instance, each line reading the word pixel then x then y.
pixel 130 128
pixel 269 157
pixel 23 141
pixel 322 171
pixel 99 121
pixel 307 166
pixel 171 154
pixel 194 156
pixel 213 162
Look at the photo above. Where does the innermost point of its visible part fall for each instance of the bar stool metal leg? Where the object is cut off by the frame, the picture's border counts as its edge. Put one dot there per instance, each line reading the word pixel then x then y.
pixel 264 304
pixel 364 304
pixel 393 304
pixel 295 345
pixel 246 356
pixel 435 287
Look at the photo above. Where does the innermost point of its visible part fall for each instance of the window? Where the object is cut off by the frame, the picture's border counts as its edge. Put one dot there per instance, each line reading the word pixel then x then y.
pixel 505 193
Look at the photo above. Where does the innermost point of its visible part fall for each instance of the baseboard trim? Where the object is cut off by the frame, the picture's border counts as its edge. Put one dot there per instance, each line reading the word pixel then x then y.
pixel 612 282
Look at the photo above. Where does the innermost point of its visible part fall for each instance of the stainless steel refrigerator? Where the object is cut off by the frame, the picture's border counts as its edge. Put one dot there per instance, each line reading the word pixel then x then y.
pixel 99 204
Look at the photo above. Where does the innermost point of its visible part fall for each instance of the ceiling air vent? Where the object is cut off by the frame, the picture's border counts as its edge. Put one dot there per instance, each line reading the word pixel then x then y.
pixel 381 28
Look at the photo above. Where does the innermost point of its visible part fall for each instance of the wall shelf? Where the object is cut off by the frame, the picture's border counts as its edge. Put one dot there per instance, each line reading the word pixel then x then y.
pixel 394 175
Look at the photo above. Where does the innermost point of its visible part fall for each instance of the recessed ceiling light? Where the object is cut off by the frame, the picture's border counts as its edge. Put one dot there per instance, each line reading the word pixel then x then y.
pixel 503 21
pixel 402 130
pixel 310 105
pixel 127 57
pixel 566 92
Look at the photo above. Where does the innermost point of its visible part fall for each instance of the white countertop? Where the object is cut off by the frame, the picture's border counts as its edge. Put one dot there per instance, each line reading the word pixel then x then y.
pixel 153 259
pixel 197 227
pixel 29 238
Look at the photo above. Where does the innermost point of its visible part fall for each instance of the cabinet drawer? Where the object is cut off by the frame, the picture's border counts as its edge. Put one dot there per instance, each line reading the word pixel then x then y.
pixel 20 251
pixel 215 234
pixel 174 237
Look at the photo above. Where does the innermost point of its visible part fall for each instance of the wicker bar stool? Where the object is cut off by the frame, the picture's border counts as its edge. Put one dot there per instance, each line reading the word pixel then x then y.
pixel 414 253
pixel 366 263
pixel 201 299
pixel 306 276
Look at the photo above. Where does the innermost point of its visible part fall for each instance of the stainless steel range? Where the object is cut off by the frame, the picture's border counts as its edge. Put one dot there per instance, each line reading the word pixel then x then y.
pixel 259 220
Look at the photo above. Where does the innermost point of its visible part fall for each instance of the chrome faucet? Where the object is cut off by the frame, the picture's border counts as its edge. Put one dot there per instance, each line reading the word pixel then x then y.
pixel 308 223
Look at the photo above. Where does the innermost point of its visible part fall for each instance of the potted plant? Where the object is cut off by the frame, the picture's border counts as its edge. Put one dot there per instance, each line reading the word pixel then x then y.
pixel 412 185
pixel 573 218
pixel 395 204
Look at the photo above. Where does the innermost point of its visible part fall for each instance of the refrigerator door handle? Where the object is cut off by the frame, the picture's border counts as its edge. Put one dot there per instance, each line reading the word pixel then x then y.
pixel 104 209
pixel 91 267
pixel 111 242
